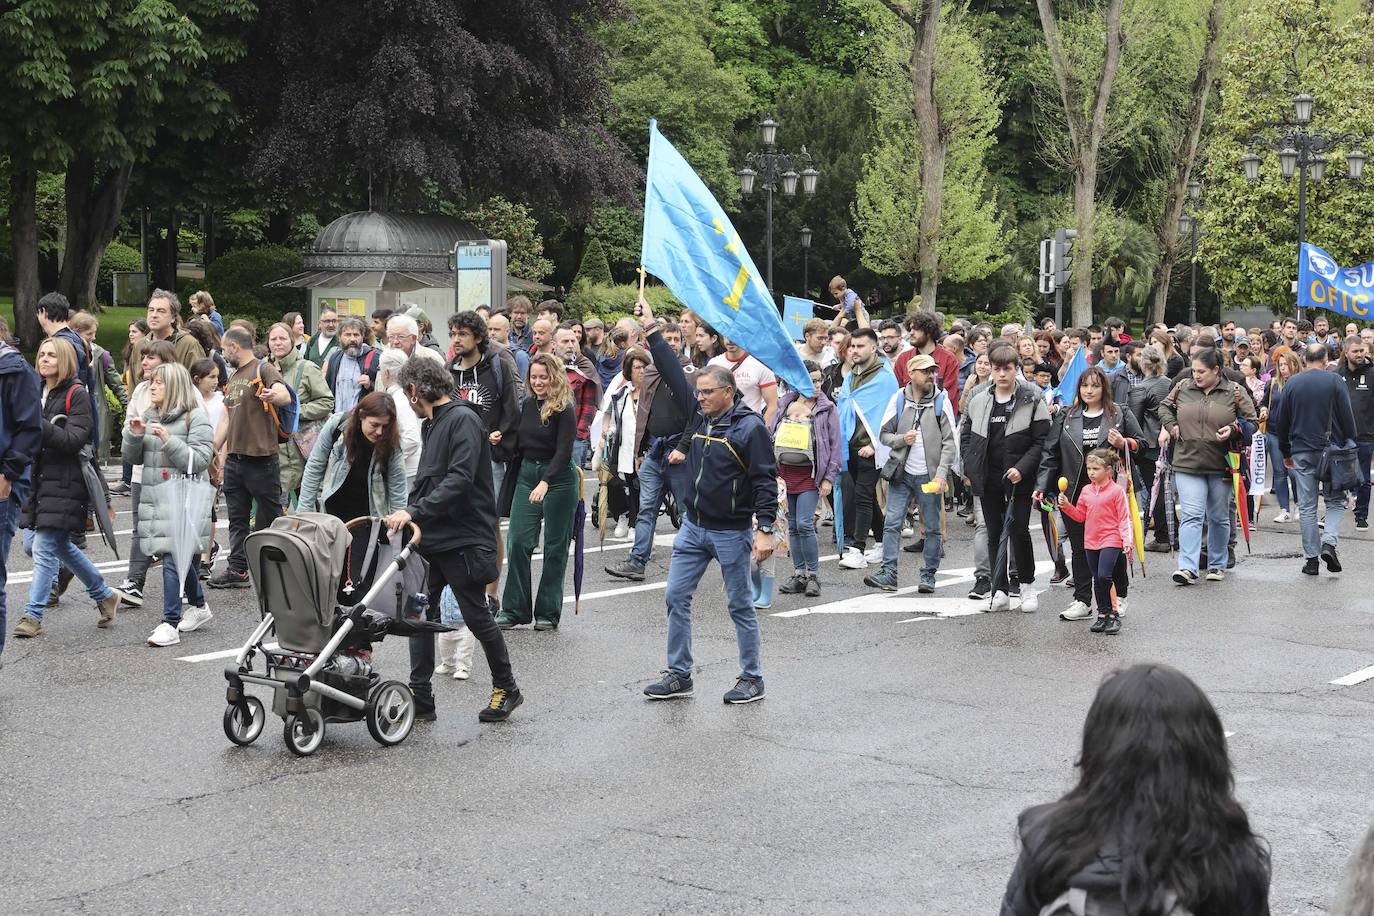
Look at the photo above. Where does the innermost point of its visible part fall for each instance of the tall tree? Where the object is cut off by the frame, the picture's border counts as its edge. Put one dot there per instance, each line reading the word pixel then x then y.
pixel 87 87
pixel 1085 108
pixel 959 231
pixel 1185 157
pixel 382 97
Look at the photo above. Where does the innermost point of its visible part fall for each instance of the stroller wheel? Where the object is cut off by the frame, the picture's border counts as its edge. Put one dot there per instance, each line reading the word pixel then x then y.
pixel 304 733
pixel 240 729
pixel 390 712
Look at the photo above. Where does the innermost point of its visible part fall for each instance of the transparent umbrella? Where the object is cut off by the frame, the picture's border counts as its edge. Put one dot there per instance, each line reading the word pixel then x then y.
pixel 193 495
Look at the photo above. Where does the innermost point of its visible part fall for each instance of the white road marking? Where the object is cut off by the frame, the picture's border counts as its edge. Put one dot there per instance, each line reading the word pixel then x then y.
pixel 882 603
pixel 26 577
pixel 227 653
pixel 1355 677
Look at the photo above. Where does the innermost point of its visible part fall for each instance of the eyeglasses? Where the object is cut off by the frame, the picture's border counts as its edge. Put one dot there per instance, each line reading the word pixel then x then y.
pixel 703 392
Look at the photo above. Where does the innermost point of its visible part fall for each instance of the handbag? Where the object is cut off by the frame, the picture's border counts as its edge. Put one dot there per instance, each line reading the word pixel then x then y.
pixel 1340 469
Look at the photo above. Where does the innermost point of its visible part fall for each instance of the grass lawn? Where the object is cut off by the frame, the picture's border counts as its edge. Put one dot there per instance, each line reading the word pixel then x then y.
pixel 114 324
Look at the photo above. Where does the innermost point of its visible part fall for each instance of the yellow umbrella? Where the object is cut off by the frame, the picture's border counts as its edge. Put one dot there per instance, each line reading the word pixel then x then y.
pixel 1137 527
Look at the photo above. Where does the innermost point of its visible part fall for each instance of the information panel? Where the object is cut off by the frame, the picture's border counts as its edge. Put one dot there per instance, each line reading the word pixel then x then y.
pixel 480 273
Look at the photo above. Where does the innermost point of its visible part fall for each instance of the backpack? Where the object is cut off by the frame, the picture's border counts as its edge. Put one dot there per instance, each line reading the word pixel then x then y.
pixel 287 417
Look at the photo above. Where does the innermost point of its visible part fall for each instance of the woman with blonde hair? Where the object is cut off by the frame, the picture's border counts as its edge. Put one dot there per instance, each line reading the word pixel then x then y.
pixel 173 437
pixel 1286 365
pixel 542 490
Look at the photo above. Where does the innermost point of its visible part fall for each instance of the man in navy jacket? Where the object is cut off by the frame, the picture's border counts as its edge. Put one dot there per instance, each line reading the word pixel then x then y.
pixel 21 433
pixel 731 506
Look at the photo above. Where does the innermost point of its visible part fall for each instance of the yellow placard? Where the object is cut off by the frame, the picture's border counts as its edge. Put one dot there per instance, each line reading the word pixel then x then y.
pixel 792 434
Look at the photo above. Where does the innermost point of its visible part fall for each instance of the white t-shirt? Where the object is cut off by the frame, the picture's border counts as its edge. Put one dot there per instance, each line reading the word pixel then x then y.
pixel 825 360
pixel 751 378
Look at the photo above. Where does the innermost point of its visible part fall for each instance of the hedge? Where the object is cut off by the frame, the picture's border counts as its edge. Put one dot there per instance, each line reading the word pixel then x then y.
pixel 236 281
pixel 616 300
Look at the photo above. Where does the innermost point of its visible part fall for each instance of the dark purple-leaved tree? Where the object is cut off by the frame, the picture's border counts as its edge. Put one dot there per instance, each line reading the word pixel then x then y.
pixel 466 96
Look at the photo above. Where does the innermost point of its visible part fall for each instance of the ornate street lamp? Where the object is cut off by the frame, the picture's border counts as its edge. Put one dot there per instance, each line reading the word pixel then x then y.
pixel 778 171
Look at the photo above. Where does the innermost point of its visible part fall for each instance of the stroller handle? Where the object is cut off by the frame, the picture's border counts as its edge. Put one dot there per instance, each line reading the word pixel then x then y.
pixel 368 519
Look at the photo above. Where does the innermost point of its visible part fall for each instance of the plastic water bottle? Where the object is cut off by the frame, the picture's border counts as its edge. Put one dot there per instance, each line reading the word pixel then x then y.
pixel 352 665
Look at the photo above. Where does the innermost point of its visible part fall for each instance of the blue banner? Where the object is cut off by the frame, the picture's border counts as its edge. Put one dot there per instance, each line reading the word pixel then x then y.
pixel 691 246
pixel 795 314
pixel 1322 284
pixel 1068 378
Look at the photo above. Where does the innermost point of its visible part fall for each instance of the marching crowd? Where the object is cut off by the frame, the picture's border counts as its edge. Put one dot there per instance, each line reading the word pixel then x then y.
pixel 1097 436
pixel 1112 445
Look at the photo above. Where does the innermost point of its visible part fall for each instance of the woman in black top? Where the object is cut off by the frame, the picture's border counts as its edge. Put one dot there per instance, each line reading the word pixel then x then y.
pixel 1154 815
pixel 545 491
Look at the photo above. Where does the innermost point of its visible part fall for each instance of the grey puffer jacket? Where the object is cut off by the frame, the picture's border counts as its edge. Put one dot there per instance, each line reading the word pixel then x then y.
pixel 190 440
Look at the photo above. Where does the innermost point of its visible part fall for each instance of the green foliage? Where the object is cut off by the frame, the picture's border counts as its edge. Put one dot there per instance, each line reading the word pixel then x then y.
pixel 1018 312
pixel 611 301
pixel 499 218
pixel 236 281
pixel 619 230
pixel 118 257
pixel 890 196
pixel 663 67
pixel 245 227
pixel 1248 241
pixel 594 270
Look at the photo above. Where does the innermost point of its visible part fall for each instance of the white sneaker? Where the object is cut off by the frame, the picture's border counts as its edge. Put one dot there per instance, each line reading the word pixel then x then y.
pixel 1000 601
pixel 908 531
pixel 1283 516
pixel 853 559
pixel 460 673
pixel 621 529
pixel 1076 611
pixel 1030 601
pixel 193 618
pixel 444 668
pixel 164 635
pixel 1121 604
pixel 874 555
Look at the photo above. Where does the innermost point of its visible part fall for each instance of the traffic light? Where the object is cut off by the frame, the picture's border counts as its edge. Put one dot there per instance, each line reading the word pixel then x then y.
pixel 1046 266
pixel 1063 255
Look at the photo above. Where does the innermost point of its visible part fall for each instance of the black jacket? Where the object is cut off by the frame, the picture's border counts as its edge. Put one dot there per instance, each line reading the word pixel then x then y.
pixel 21 420
pixel 732 471
pixel 1023 442
pixel 1144 404
pixel 1064 448
pixel 58 499
pixel 1360 383
pixel 452 499
pixel 492 388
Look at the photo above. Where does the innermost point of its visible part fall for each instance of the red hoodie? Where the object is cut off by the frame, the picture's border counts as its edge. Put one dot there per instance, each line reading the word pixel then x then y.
pixel 1105 514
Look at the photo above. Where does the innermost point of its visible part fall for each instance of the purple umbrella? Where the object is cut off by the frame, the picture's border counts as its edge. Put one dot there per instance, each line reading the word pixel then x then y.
pixel 579 537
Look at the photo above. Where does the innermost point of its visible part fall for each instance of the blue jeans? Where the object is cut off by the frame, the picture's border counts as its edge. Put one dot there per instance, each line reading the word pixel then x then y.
pixel 901 489
pixel 1282 477
pixel 580 450
pixel 693 551
pixel 1203 496
pixel 9 522
pixel 53 549
pixel 1305 471
pixel 171 589
pixel 1362 496
pixel 801 532
pixel 656 476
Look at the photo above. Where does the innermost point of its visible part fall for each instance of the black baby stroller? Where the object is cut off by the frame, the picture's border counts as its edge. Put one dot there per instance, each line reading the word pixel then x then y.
pixel 320 667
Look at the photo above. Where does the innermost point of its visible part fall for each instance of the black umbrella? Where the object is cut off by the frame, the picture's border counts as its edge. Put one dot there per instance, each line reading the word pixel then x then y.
pixel 1002 558
pixel 99 499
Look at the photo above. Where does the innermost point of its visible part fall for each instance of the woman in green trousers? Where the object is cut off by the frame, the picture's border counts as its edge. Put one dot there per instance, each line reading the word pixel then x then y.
pixel 543 492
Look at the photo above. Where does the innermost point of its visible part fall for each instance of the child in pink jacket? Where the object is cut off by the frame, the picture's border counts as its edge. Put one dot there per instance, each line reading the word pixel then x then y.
pixel 1106 517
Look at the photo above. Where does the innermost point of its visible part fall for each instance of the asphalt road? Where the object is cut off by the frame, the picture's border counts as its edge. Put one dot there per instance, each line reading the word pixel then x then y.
pixel 883 773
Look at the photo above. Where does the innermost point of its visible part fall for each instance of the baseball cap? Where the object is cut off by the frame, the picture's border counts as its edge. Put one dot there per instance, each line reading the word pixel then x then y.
pixel 1242 341
pixel 593 323
pixel 922 361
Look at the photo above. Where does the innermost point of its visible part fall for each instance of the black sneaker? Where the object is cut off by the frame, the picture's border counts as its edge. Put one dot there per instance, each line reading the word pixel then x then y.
pixel 1157 547
pixel 813 587
pixel 628 569
pixel 229 579
pixel 1333 562
pixel 120 489
pixel 918 546
pixel 669 687
pixel 133 593
pixel 746 690
pixel 793 586
pixel 1185 577
pixel 1060 574
pixel 1361 524
pixel 1100 623
pixel 1113 625
pixel 424 710
pixel 503 703
pixel 981 589
pixel 1311 566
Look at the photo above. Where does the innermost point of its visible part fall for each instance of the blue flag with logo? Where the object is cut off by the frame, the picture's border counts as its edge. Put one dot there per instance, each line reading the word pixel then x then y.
pixel 1324 285
pixel 1068 379
pixel 796 312
pixel 691 246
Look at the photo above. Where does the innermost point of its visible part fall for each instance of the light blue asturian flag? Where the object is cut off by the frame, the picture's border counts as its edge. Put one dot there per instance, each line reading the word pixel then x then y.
pixel 1068 379
pixel 691 246
pixel 796 312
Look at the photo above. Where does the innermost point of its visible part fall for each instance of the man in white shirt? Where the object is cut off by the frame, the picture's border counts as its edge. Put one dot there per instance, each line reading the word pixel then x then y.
pixel 755 382
pixel 403 333
pixel 815 344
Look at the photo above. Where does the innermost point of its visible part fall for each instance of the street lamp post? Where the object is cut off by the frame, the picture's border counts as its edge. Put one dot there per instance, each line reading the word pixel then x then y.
pixel 806 256
pixel 1187 225
pixel 1302 150
pixel 778 170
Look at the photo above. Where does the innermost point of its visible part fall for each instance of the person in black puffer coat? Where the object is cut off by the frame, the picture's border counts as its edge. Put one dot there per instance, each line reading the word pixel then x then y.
pixel 57 506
